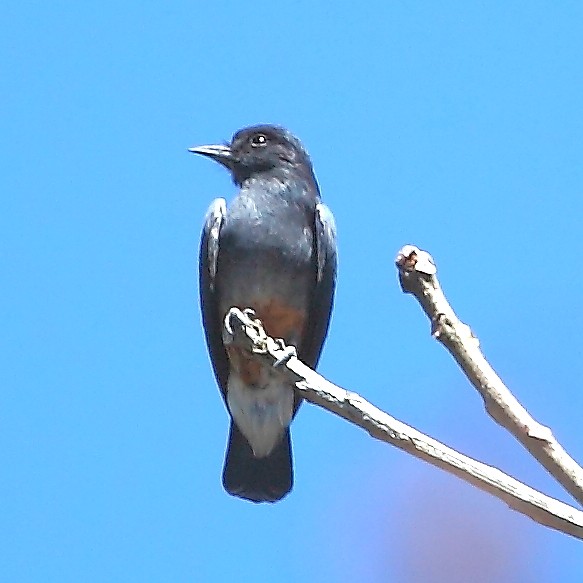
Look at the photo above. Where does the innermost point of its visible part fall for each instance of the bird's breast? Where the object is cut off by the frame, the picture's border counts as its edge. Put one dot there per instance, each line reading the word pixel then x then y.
pixel 267 263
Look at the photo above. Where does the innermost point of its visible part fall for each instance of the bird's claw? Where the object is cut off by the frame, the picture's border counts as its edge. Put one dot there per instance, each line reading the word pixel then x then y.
pixel 288 353
pixel 235 317
pixel 250 313
pixel 228 333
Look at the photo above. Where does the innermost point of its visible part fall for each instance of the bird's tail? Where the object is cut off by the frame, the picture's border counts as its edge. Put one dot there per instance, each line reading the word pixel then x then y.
pixel 266 479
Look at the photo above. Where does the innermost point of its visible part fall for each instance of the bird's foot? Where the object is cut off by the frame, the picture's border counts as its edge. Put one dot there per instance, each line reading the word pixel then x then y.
pixel 288 353
pixel 235 317
pixel 250 313
pixel 228 329
pixel 245 321
pixel 257 326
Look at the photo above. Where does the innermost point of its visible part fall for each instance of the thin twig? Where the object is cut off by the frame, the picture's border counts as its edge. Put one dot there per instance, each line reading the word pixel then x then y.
pixel 417 274
pixel 248 333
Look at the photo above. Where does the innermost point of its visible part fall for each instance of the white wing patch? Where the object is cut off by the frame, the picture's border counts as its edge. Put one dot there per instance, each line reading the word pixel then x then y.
pixel 326 236
pixel 213 222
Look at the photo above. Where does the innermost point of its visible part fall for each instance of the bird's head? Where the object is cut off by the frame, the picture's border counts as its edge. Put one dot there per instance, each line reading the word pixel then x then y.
pixel 259 150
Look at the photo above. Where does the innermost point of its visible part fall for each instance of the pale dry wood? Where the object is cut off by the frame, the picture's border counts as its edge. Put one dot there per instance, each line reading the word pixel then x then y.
pixel 247 333
pixel 418 276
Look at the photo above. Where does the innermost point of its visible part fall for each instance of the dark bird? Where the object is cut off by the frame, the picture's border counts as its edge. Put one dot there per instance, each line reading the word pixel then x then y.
pixel 273 250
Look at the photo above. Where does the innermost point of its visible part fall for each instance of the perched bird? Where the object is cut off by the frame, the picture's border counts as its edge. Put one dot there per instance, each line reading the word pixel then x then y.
pixel 272 250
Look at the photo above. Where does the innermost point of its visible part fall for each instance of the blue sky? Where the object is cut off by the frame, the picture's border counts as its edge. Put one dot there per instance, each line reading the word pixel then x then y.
pixel 455 126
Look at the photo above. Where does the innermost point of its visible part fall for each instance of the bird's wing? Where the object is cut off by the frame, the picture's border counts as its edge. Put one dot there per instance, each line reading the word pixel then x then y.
pixel 209 253
pixel 323 294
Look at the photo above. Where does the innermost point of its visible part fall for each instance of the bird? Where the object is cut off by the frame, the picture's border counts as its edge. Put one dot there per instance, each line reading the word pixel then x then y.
pixel 273 250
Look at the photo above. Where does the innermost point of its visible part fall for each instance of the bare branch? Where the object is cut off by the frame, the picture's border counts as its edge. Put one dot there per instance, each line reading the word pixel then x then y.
pixel 417 274
pixel 248 334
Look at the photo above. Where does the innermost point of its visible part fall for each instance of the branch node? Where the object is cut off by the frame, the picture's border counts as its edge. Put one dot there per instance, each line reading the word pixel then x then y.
pixel 411 258
pixel 540 432
pixel 414 263
pixel 439 323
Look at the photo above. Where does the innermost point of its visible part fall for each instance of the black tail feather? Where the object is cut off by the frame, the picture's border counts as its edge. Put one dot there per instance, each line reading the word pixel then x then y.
pixel 266 479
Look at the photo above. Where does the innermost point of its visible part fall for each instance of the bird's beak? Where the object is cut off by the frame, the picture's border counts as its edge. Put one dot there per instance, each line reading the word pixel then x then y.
pixel 221 154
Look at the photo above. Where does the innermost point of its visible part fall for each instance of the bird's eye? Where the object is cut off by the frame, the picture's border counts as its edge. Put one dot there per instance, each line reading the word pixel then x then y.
pixel 258 140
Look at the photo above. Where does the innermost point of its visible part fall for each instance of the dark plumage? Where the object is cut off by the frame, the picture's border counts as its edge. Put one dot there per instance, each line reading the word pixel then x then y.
pixel 273 250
